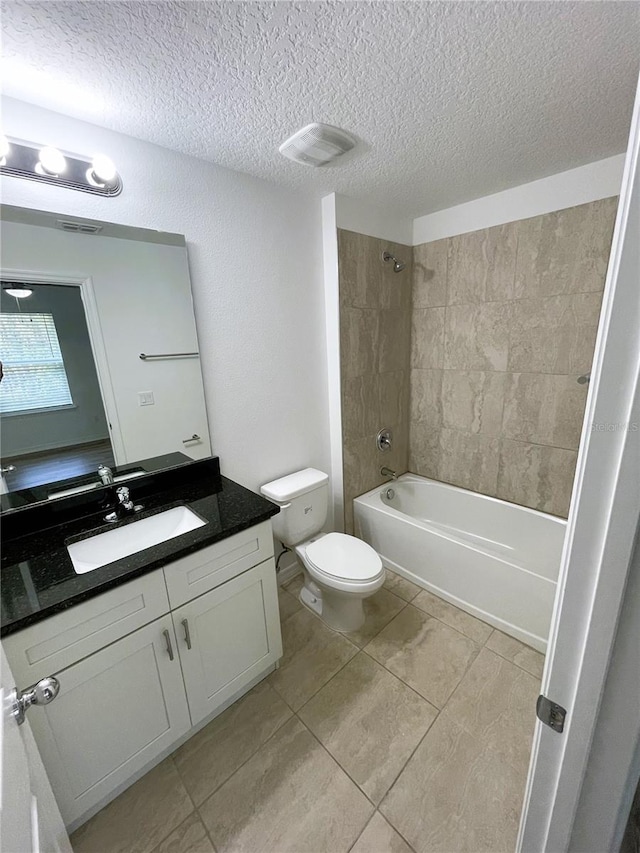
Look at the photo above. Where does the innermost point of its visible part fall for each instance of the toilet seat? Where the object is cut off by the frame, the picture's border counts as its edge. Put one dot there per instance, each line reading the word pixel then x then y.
pixel 342 557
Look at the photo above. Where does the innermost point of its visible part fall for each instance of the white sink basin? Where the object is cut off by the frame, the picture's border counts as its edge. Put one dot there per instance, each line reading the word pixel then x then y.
pixel 105 548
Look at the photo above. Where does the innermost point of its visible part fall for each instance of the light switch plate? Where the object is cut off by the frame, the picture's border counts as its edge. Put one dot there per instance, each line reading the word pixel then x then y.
pixel 145 398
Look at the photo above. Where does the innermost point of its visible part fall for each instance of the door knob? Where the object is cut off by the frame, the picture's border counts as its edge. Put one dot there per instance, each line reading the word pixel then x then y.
pixel 42 693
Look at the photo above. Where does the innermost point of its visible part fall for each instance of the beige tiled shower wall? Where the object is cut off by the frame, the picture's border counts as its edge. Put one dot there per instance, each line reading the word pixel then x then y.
pixel 375 325
pixel 503 323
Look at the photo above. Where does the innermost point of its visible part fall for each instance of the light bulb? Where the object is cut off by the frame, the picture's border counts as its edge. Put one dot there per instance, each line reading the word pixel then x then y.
pixel 4 148
pixel 52 161
pixel 18 292
pixel 103 169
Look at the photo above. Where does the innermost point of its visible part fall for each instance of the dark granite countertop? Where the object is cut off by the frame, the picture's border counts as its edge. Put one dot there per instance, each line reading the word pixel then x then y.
pixel 37 494
pixel 38 578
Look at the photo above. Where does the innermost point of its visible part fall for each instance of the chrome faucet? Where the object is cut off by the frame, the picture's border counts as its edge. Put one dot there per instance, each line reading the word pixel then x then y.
pixel 105 474
pixel 124 505
pixel 387 472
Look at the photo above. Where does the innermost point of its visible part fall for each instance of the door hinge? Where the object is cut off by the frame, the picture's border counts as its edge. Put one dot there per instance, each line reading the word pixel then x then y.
pixel 550 713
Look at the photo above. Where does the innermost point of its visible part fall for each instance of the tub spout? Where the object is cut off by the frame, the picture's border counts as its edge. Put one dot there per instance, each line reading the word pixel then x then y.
pixel 387 472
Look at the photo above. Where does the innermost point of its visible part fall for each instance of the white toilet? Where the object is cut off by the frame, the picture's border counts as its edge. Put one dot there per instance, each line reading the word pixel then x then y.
pixel 340 571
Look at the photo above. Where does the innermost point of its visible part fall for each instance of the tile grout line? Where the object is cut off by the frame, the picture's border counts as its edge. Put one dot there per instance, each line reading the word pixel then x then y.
pixel 431 616
pixel 513 663
pixel 401 680
pixel 468 667
pixel 377 811
pixel 335 760
pixel 306 702
pixel 271 736
pixel 194 810
pixel 404 767
pixel 484 642
pixel 224 782
pixel 439 711
pixel 206 830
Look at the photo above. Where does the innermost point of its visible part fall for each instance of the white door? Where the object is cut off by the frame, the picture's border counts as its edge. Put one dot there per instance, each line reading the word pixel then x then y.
pixel 227 637
pixel 601 529
pixel 29 817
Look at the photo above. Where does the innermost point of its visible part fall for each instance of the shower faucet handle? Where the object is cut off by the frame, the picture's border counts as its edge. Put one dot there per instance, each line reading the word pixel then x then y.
pixel 384 439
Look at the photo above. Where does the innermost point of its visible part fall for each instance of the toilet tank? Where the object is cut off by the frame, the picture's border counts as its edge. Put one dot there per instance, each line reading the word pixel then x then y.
pixel 303 498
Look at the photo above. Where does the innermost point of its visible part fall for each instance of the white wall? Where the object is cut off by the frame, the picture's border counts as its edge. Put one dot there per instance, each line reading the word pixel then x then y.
pixel 255 255
pixel 332 309
pixel 364 218
pixel 591 182
pixel 597 180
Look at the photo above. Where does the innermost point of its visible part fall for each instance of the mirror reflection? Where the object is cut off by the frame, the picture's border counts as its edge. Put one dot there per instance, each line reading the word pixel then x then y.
pixel 99 353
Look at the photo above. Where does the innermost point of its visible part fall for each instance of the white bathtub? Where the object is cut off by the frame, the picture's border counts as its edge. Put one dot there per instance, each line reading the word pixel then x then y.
pixel 496 560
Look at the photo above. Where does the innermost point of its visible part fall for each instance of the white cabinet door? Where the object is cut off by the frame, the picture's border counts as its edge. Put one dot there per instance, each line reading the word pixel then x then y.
pixel 117 710
pixel 227 637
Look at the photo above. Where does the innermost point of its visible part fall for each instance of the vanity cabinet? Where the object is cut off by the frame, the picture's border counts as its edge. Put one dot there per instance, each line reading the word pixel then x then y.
pixel 218 656
pixel 117 710
pixel 140 666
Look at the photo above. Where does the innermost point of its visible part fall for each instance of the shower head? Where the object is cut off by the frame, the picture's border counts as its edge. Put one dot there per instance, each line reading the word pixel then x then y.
pixel 398 266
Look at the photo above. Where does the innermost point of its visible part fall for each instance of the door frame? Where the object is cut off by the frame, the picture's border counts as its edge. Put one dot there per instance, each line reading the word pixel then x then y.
pixel 92 317
pixel 601 532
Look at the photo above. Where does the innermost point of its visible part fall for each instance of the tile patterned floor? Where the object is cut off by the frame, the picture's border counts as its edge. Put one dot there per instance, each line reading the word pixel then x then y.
pixel 409 736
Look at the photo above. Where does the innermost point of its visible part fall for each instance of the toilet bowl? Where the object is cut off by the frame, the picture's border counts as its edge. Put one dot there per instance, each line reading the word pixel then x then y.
pixel 340 571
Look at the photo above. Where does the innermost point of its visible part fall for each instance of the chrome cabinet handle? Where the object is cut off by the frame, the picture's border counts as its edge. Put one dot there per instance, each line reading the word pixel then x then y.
pixel 194 437
pixel 187 635
pixel 167 638
pixel 41 693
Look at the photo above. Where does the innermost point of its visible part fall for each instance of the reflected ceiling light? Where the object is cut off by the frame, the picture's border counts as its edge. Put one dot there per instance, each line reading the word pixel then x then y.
pixel 19 291
pixel 51 162
pixel 51 166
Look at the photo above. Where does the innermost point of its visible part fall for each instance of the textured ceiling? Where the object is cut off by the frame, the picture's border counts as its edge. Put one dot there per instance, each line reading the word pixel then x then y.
pixel 451 100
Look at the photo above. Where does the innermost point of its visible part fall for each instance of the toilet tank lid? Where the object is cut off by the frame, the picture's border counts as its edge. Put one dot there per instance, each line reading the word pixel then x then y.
pixel 294 485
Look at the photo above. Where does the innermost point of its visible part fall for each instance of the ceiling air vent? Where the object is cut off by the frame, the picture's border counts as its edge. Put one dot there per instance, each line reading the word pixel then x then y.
pixel 78 227
pixel 317 144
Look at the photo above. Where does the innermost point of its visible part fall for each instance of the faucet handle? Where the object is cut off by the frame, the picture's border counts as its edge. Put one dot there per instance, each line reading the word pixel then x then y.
pixel 124 505
pixel 105 474
pixel 124 498
pixel 384 439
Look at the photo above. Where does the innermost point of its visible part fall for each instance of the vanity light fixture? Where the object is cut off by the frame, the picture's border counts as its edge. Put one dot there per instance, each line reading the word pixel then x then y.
pixel 49 165
pixel 51 162
pixel 101 171
pixel 5 148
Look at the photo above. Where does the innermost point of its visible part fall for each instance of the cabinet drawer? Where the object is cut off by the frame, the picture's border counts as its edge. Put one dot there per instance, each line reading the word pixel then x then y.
pixel 208 568
pixel 55 643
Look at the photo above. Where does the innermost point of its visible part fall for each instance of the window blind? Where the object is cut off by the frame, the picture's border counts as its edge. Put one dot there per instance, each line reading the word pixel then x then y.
pixel 34 374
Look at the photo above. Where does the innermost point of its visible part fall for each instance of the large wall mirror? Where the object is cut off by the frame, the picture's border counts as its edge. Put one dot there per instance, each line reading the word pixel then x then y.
pixel 99 353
